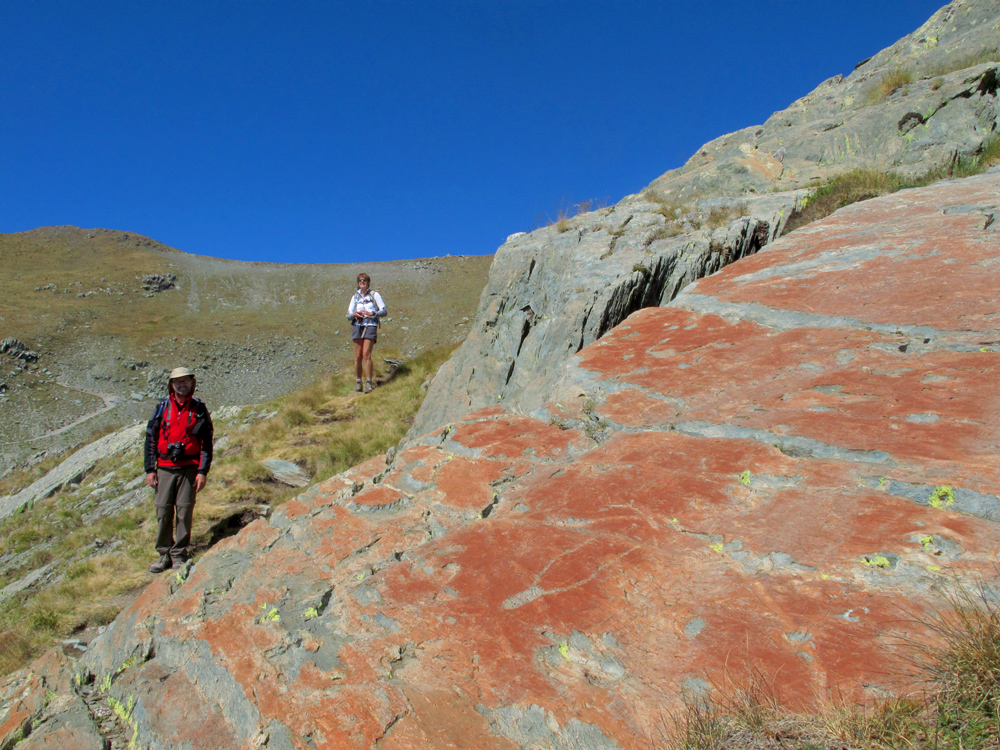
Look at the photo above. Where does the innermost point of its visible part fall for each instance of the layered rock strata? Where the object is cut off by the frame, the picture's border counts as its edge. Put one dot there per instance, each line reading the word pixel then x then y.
pixel 777 472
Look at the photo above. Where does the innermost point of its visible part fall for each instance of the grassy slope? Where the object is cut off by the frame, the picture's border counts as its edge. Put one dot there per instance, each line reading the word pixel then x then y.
pixel 251 330
pixel 99 565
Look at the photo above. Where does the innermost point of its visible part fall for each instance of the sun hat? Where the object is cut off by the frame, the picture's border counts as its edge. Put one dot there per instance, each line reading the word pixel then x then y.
pixel 180 372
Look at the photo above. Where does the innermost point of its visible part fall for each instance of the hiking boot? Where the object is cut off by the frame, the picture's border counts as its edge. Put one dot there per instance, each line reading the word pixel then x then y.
pixel 357 385
pixel 164 563
pixel 368 386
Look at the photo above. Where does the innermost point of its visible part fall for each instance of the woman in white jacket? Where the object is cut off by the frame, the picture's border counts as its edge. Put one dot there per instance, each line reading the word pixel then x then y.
pixel 364 313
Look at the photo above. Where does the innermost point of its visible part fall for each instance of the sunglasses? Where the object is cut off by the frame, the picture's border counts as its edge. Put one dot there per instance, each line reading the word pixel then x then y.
pixel 362 281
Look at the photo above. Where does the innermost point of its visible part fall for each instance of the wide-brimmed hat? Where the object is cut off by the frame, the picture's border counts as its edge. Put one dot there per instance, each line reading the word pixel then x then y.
pixel 180 372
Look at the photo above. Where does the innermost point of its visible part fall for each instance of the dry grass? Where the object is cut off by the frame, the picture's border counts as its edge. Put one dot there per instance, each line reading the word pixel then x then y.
pixel 950 65
pixel 887 85
pixel 722 215
pixel 959 711
pixel 862 184
pixel 669 207
pixel 665 231
pixel 565 212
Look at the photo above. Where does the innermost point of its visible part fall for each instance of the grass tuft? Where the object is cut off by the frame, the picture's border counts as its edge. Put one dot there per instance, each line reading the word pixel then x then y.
pixel 951 64
pixel 887 85
pixel 960 711
pixel 862 184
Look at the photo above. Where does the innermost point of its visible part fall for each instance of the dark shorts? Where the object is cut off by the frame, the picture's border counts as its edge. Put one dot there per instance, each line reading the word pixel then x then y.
pixel 365 332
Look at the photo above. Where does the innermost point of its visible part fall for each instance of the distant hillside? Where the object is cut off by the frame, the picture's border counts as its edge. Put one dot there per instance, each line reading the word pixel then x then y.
pixel 108 313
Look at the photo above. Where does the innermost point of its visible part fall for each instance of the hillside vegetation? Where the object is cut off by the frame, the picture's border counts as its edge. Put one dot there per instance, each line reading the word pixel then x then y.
pixel 108 313
pixel 89 545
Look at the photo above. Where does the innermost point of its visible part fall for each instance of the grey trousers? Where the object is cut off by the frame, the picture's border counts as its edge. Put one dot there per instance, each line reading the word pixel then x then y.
pixel 175 495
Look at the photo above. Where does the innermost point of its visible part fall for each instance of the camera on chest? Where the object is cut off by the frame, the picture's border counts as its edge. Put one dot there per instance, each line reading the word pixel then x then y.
pixel 175 452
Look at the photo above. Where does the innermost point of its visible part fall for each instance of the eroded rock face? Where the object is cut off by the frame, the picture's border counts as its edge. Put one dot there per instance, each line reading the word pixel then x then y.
pixel 559 288
pixel 763 474
pixel 554 291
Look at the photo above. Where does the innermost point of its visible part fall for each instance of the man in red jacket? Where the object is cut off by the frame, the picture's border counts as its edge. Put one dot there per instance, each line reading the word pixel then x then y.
pixel 177 457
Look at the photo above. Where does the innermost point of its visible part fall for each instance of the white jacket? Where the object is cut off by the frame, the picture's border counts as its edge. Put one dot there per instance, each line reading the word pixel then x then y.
pixel 367 303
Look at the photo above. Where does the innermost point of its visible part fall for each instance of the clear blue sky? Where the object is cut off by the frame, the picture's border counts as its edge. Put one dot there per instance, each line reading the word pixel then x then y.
pixel 321 131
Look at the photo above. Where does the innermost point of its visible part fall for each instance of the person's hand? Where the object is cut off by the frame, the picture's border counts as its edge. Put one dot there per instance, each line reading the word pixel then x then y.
pixel 199 482
pixel 151 479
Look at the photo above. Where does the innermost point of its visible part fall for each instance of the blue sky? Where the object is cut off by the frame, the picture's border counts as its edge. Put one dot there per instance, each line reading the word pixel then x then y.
pixel 349 132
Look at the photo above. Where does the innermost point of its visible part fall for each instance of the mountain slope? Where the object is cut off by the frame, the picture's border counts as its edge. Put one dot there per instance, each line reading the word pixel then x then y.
pixel 89 303
pixel 758 477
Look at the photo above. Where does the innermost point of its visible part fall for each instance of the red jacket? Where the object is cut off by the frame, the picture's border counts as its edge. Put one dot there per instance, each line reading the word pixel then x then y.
pixel 188 424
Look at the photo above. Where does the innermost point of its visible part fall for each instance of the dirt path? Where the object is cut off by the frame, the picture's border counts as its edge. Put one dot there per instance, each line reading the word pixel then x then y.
pixel 110 402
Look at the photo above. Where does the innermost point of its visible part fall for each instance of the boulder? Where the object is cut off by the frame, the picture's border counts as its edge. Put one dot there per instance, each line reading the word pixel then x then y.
pixel 159 282
pixel 287 472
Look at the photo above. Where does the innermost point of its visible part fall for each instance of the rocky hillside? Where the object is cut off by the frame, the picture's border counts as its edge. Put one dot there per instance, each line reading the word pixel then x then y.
pixel 94 319
pixel 927 102
pixel 761 475
pixel 678 448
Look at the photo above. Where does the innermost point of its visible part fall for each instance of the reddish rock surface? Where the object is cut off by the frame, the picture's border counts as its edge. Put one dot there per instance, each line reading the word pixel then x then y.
pixel 777 472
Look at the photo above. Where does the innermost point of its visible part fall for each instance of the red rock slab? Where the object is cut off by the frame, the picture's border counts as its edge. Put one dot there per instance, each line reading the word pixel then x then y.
pixel 466 484
pixel 903 260
pixel 511 437
pixel 378 497
pixel 932 407
pixel 602 587
pixel 39 709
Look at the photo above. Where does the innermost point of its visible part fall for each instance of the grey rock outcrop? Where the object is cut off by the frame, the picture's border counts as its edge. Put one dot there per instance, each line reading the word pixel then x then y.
pixel 72 469
pixel 17 349
pixel 287 472
pixel 555 290
pixel 159 282
pixel 945 112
